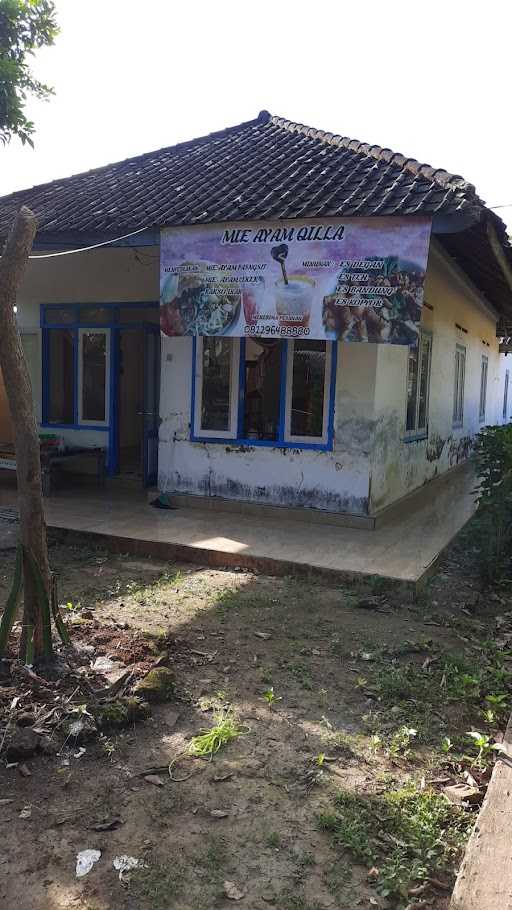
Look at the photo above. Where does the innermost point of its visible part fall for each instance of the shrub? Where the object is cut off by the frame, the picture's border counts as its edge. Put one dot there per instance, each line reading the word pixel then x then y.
pixel 493 520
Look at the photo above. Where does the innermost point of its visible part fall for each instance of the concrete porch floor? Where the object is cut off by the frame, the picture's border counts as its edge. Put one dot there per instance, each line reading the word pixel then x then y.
pixel 403 547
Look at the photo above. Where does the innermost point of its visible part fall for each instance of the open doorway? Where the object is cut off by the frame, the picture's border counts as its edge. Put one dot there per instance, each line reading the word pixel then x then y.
pixel 138 387
pixel 131 402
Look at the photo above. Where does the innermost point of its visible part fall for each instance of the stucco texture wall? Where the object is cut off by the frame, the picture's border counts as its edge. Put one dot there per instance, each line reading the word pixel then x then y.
pixel 399 466
pixel 336 481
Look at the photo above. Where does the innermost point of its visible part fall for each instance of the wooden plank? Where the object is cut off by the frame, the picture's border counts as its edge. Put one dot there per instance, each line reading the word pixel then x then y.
pixel 485 878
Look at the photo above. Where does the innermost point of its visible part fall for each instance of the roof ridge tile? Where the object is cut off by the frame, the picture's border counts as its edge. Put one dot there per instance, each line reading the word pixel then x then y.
pixel 440 175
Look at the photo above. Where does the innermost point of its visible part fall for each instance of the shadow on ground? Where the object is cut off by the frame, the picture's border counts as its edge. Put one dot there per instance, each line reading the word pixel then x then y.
pixel 251 815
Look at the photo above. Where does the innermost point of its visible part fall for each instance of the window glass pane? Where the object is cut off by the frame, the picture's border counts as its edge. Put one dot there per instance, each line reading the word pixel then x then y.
pixel 456 388
pixel 139 314
pixel 262 388
pixel 62 314
pixel 308 385
pixel 96 314
pixel 61 367
pixel 216 392
pixel 460 370
pixel 94 375
pixel 423 383
pixel 483 387
pixel 412 387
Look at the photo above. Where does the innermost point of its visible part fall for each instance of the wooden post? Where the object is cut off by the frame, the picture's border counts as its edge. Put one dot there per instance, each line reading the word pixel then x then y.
pixel 485 878
pixel 13 264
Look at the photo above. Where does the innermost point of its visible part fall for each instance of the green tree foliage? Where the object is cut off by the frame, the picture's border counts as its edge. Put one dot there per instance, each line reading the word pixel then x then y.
pixel 493 520
pixel 25 26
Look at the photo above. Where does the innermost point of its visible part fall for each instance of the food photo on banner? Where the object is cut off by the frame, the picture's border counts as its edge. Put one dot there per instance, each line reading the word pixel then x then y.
pixel 352 279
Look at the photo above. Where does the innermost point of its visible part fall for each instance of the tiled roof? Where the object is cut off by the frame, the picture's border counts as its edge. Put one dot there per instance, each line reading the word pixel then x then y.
pixel 266 168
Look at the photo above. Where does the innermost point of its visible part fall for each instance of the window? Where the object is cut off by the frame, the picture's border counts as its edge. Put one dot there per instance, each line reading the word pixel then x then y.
pixel 505 396
pixel 92 372
pixel 307 398
pixel 262 382
pixel 418 385
pixel 61 396
pixel 483 387
pixel 458 394
pixel 217 367
pixel 265 391
pixel 77 341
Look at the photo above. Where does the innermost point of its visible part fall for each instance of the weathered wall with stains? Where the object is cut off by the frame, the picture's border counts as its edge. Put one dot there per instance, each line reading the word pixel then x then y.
pixel 399 466
pixel 336 481
pixel 373 464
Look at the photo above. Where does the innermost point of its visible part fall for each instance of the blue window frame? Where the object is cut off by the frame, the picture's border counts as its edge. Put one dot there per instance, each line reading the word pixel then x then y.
pixel 232 402
pixel 76 319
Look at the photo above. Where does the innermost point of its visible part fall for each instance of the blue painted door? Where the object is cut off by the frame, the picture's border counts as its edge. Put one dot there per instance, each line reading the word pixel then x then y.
pixel 151 402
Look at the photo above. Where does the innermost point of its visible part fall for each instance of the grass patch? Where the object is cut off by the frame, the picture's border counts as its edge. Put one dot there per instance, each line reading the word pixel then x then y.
pixel 479 686
pixel 289 900
pixel 302 674
pixel 238 599
pixel 142 590
pixel 161 886
pixel 407 834
pixel 337 878
pixel 208 742
pixel 215 857
pixel 273 840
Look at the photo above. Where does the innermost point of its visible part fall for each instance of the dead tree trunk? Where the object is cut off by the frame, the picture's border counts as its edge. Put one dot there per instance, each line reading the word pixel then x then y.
pixel 26 439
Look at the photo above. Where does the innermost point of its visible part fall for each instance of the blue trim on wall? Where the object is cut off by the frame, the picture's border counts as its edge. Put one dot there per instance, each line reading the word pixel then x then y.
pixel 280 442
pixel 73 426
pixel 242 378
pixel 75 375
pixel 45 385
pixel 332 394
pixel 262 443
pixel 112 427
pixel 112 465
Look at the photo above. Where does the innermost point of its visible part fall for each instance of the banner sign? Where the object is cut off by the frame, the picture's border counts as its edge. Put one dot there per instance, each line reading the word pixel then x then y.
pixel 354 279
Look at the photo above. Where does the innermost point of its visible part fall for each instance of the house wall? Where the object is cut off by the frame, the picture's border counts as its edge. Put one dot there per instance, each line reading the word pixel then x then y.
pixel 505 365
pixel 370 466
pixel 121 275
pixel 373 463
pixel 336 481
pixel 399 466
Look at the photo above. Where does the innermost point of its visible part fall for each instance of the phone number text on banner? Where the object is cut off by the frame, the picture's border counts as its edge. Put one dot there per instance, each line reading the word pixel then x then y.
pixel 353 279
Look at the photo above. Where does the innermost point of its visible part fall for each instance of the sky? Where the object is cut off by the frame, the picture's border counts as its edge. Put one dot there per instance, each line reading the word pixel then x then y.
pixel 431 81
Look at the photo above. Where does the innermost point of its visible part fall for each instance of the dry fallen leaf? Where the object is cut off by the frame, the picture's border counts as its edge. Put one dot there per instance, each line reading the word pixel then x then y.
pixel 233 892
pixel 154 779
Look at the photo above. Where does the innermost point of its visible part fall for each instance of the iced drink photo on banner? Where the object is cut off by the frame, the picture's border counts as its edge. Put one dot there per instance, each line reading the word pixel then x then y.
pixel 294 299
pixel 294 294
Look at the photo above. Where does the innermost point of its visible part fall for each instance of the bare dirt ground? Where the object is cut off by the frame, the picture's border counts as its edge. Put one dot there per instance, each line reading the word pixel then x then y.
pixel 260 815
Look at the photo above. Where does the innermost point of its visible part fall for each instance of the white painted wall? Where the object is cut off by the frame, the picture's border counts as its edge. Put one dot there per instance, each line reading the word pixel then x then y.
pixel 399 466
pixel 370 466
pixel 336 481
